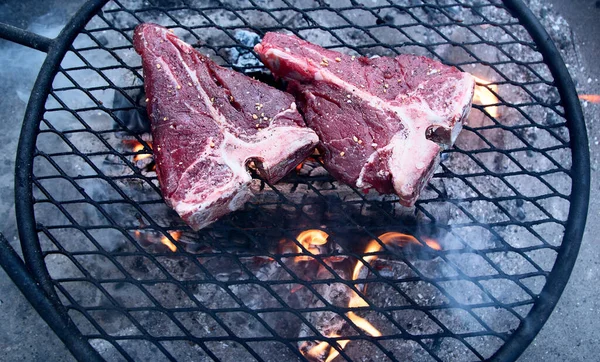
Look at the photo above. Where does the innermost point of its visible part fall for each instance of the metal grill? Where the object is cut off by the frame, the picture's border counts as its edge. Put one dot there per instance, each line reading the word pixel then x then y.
pixel 507 205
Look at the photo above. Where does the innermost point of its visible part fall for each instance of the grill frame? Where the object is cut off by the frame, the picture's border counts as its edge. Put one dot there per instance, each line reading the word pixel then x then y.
pixel 518 341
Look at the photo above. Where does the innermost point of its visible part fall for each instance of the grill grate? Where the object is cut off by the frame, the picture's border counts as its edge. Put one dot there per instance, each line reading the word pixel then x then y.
pixel 498 205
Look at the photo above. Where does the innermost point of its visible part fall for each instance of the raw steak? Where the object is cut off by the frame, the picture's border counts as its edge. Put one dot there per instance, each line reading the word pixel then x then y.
pixel 382 121
pixel 208 123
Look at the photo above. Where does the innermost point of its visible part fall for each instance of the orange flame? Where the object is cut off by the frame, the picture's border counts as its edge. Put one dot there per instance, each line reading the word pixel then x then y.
pixel 333 353
pixel 140 147
pixel 594 98
pixel 323 349
pixel 373 247
pixel 484 96
pixel 168 243
pixel 309 239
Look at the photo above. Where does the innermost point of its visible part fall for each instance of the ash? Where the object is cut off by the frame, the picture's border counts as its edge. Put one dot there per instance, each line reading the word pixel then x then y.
pixel 236 291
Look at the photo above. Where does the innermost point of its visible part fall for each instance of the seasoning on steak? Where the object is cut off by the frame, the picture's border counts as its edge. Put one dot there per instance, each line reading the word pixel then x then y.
pixel 208 123
pixel 382 121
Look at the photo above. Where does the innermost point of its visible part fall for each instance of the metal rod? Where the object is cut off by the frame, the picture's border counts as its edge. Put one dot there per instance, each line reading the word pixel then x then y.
pixel 61 325
pixel 26 38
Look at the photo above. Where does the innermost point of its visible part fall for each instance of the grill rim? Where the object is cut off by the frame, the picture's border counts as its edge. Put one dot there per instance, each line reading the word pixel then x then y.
pixel 510 350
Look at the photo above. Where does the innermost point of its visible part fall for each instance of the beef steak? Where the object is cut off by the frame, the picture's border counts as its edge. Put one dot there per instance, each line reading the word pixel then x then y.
pixel 208 123
pixel 382 121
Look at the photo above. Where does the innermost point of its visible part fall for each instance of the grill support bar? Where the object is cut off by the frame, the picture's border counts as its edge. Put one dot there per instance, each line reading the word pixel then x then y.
pixel 61 324
pixel 26 38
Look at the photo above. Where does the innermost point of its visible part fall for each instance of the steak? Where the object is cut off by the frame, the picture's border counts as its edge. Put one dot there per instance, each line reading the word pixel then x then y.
pixel 208 123
pixel 382 122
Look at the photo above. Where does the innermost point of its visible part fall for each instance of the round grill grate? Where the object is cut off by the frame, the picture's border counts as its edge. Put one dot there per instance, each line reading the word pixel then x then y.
pixel 138 284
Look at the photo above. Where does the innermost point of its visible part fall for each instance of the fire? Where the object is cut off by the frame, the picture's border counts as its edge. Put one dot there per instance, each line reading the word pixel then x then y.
pixel 140 147
pixel 433 244
pixel 594 98
pixel 309 239
pixel 168 243
pixel 485 95
pixel 325 349
pixel 317 237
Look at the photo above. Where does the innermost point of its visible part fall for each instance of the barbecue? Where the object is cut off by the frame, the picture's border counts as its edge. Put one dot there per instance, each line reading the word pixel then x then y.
pixel 310 269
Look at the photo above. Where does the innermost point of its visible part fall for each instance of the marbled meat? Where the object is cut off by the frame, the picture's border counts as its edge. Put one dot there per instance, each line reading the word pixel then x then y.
pixel 208 123
pixel 382 122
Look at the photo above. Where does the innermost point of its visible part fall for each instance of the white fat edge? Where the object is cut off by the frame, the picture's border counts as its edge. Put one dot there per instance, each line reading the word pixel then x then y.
pixel 360 182
pixel 464 98
pixel 404 182
pixel 461 108
pixel 455 132
pixel 240 198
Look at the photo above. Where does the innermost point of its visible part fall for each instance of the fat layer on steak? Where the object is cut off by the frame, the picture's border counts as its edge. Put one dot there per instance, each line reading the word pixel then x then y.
pixel 208 123
pixel 382 122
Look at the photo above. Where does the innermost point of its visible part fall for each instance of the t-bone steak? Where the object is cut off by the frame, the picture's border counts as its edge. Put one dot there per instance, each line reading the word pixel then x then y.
pixel 208 123
pixel 382 122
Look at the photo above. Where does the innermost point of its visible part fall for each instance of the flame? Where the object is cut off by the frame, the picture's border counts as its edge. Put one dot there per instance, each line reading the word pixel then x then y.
pixel 168 243
pixel 373 247
pixel 309 239
pixel 140 147
pixel 333 353
pixel 325 349
pixel 594 98
pixel 433 244
pixel 484 96
pixel 318 237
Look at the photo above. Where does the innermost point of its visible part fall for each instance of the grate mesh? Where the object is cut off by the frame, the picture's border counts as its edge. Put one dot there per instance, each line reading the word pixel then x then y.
pixel 245 288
